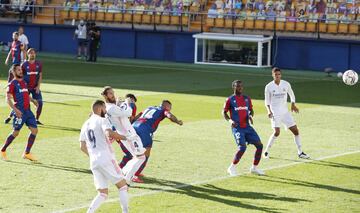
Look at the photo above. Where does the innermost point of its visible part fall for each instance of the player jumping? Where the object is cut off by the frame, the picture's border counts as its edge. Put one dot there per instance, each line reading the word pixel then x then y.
pixel 241 112
pixel 94 142
pixel 276 93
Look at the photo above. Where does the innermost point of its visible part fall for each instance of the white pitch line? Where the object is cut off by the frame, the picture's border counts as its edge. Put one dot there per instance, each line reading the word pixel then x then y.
pixel 211 180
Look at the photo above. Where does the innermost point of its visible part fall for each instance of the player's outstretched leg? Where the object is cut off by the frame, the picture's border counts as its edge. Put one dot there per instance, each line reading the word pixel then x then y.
pixel 132 167
pixel 138 174
pixel 127 156
pixel 297 141
pixel 31 140
pixel 257 158
pixel 271 141
pixel 7 143
pixel 232 168
pixel 98 200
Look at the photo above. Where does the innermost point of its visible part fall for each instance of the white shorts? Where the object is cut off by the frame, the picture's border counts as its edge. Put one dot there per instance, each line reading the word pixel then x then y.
pixel 109 172
pixel 134 145
pixel 286 119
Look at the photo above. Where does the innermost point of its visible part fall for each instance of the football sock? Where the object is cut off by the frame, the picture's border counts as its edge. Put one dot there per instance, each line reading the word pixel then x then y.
pixel 127 157
pixel 298 143
pixel 270 142
pixel 8 141
pixel 124 199
pixel 239 154
pixel 258 152
pixel 96 203
pixel 142 167
pixel 132 167
pixel 30 143
pixel 39 109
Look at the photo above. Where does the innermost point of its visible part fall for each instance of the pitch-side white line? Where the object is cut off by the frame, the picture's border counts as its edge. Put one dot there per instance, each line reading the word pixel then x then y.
pixel 210 180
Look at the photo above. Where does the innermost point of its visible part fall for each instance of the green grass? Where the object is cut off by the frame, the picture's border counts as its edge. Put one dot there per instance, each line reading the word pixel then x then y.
pixel 193 154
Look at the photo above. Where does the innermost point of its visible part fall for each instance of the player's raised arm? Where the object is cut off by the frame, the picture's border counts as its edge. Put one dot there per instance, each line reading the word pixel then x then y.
pixel 112 134
pixel 173 118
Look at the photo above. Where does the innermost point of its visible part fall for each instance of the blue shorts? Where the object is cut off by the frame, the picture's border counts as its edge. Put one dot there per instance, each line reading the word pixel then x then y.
pixel 243 135
pixel 27 118
pixel 34 95
pixel 145 135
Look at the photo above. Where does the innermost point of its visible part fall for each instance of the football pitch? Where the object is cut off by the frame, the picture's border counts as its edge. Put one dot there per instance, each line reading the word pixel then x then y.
pixel 187 168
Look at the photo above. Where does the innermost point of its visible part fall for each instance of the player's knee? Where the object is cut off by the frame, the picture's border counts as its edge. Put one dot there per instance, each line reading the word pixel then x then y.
pixel 34 131
pixel 242 148
pixel 15 133
pixel 259 145
pixel 103 192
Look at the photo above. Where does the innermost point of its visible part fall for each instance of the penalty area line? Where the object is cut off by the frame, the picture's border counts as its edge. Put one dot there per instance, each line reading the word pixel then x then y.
pixel 212 180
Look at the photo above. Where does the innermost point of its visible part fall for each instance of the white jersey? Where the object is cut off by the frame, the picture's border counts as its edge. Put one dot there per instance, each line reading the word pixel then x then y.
pixel 99 147
pixel 276 96
pixel 119 118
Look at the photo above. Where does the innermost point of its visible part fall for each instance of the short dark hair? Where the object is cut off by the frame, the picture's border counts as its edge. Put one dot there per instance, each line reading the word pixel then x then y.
pixel 105 90
pixel 276 69
pixel 16 33
pixel 165 101
pixel 12 69
pixel 96 104
pixel 235 82
pixel 132 96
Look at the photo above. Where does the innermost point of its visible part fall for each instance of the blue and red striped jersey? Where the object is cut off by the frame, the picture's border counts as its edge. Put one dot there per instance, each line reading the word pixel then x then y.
pixel 151 117
pixel 32 73
pixel 18 89
pixel 239 107
pixel 16 52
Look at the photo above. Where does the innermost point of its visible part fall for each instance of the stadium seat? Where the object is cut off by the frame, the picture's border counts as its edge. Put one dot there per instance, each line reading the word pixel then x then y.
pixel 354 29
pixel 290 26
pixel 73 15
pixel 64 14
pixel 332 28
pixel 343 28
pixel 259 24
pixel 91 15
pixel 127 18
pixel 165 19
pixel 83 15
pixel 157 19
pixel 137 18
pixel 219 22
pixel 210 22
pixel 239 24
pixel 249 24
pixel 175 20
pixel 269 25
pixel 109 17
pixel 146 19
pixel 322 28
pixel 300 26
pixel 99 16
pixel 118 17
pixel 229 23
pixel 185 20
pixel 280 25
pixel 311 27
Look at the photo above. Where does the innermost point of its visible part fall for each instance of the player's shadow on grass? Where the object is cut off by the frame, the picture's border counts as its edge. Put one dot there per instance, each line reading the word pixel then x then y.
pixel 61 103
pixel 53 166
pixel 64 128
pixel 289 181
pixel 71 94
pixel 217 194
pixel 322 163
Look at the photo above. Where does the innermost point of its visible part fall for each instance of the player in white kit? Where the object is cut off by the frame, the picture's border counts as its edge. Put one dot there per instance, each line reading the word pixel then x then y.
pixel 119 114
pixel 94 142
pixel 276 94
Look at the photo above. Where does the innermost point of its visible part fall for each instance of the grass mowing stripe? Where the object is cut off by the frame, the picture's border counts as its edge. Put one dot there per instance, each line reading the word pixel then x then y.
pixel 214 179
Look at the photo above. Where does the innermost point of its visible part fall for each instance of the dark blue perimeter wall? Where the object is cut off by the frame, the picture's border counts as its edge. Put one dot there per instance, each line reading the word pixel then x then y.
pixel 291 53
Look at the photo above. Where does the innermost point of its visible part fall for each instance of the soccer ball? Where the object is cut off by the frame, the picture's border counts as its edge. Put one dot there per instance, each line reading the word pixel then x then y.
pixel 350 77
pixel 339 74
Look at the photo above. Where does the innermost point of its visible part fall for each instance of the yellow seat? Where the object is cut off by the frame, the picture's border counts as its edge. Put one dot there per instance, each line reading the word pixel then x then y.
pixel 91 15
pixel 146 19
pixel 343 28
pixel 219 22
pixel 157 19
pixel 118 17
pixel 83 15
pixel 239 24
pixel 100 16
pixel 64 14
pixel 210 22
pixel 322 28
pixel 311 27
pixel 73 15
pixel 269 25
pixel 185 20
pixel 109 17
pixel 300 26
pixel 280 25
pixel 137 18
pixel 165 19
pixel 229 23
pixel 249 24
pixel 332 28
pixel 259 24
pixel 354 29
pixel 127 18
pixel 175 20
pixel 290 26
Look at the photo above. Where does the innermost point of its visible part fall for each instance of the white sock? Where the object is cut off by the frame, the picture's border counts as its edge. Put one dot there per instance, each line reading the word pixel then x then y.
pixel 132 167
pixel 98 200
pixel 124 199
pixel 270 142
pixel 298 143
